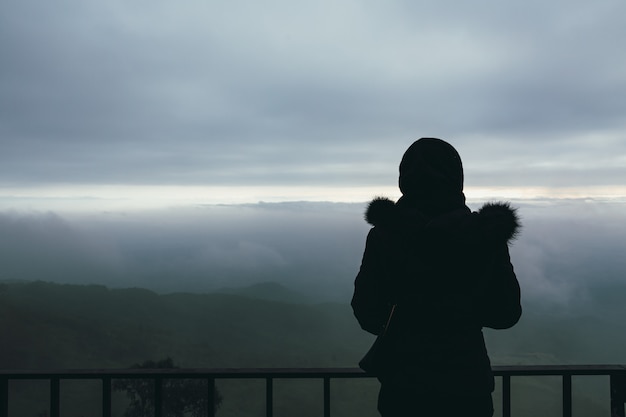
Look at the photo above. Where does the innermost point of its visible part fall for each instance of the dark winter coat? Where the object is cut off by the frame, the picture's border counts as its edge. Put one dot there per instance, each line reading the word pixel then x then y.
pixel 449 275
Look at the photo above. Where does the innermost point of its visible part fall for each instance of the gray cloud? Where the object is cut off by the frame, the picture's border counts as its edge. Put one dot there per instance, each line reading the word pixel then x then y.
pixel 312 247
pixel 47 247
pixel 244 93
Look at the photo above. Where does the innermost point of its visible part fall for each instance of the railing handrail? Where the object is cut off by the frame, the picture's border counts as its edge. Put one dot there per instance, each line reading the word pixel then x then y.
pixel 236 373
pixel 184 373
pixel 616 373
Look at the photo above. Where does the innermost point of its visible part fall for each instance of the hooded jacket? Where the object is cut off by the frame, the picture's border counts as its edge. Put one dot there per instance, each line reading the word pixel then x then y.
pixel 449 274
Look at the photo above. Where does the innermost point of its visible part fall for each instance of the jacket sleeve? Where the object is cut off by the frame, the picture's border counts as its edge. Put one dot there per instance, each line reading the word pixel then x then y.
pixel 501 306
pixel 369 302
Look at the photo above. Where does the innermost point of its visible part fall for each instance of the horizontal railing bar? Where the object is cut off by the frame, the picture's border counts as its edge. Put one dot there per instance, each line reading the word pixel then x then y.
pixel 294 373
pixel 236 373
pixel 545 370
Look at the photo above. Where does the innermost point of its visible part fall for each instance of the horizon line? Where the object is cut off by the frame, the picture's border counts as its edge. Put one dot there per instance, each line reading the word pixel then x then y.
pixel 130 197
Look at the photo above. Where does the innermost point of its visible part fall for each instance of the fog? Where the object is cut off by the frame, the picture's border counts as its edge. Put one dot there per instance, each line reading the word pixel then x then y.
pixel 568 253
pixel 568 258
pixel 302 245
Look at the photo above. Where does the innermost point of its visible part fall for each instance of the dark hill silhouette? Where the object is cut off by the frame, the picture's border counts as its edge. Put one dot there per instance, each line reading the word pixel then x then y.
pixel 89 326
pixel 270 291
pixel 73 326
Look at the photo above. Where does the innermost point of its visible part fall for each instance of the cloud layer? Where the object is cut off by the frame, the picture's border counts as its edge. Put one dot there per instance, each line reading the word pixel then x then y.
pixel 249 93
pixel 567 252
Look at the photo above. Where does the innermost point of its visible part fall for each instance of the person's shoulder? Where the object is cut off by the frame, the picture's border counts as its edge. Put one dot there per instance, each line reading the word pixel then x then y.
pixel 495 222
pixel 383 212
pixel 380 211
pixel 499 221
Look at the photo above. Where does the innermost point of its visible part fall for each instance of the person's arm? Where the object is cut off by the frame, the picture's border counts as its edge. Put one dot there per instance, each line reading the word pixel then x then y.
pixel 369 302
pixel 501 307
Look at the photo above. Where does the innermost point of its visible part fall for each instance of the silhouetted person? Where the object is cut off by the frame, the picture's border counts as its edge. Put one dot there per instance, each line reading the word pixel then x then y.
pixel 448 273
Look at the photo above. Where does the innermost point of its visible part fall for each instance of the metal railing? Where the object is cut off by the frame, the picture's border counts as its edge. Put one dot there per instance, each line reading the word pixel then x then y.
pixel 616 374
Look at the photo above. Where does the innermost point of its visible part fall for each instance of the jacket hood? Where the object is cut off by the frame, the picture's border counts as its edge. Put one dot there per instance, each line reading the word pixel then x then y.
pixel 431 176
pixel 496 220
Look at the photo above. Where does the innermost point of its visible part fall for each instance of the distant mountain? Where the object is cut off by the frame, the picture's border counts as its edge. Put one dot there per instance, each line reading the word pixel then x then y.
pixel 270 291
pixel 74 326
pixel 53 326
pixel 45 325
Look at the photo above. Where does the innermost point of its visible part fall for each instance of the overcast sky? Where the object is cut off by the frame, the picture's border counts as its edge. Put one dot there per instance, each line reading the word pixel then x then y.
pixel 243 101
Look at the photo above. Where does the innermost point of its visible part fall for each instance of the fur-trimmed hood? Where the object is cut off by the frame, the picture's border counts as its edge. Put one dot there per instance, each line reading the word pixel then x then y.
pixel 496 221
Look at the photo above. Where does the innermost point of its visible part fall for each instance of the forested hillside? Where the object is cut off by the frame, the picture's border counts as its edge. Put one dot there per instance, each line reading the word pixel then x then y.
pixel 46 325
pixel 71 326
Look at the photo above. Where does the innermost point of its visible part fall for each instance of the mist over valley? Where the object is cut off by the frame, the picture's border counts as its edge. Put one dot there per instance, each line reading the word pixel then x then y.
pixel 568 258
pixel 269 285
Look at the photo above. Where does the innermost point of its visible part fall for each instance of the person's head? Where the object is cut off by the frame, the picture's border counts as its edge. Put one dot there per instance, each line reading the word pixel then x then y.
pixel 431 172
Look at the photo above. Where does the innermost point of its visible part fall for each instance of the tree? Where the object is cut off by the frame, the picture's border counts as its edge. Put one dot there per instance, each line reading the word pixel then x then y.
pixel 181 397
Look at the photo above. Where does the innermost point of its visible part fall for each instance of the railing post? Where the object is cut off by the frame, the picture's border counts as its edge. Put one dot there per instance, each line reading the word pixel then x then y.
pixel 106 396
pixel 567 395
pixel 326 396
pixel 55 394
pixel 210 397
pixel 506 395
pixel 269 397
pixel 158 397
pixel 618 394
pixel 4 397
